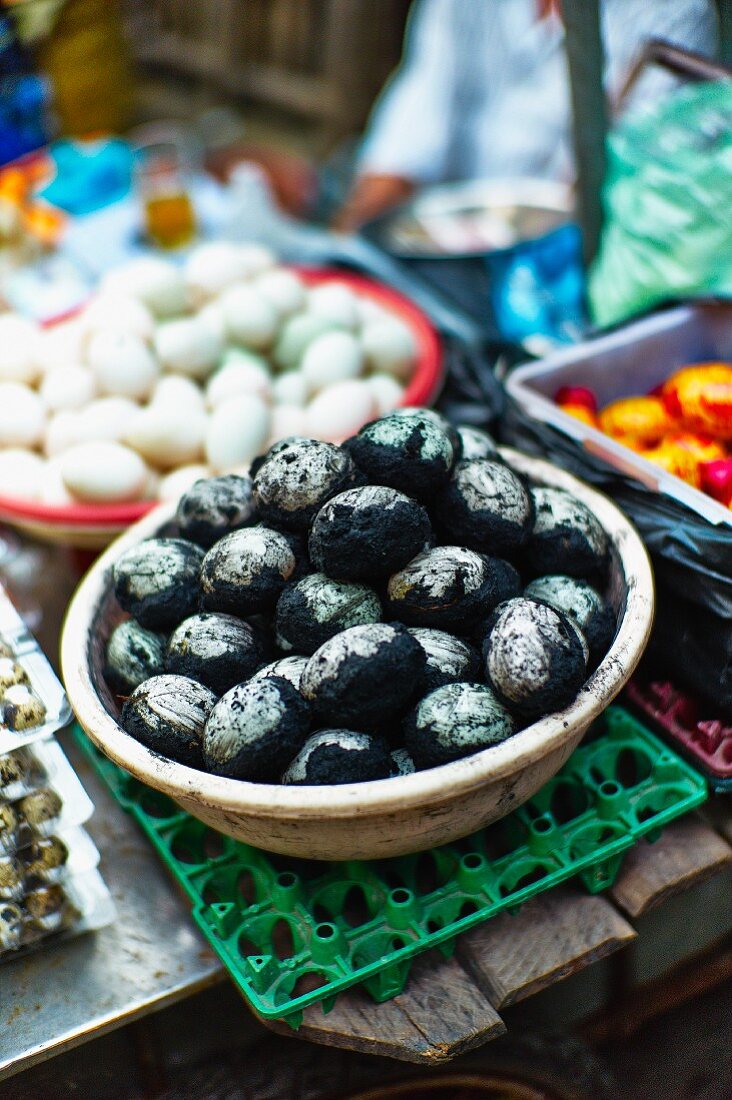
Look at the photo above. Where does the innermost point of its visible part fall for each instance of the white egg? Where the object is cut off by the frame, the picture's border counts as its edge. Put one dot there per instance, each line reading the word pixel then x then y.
pixel 249 318
pixel 19 345
pixel 105 419
pixel 389 346
pixel 283 289
pixel 213 266
pixel 387 392
pixel 63 430
pixel 122 363
pixel 296 334
pixel 61 345
pixel 103 473
pixel 53 490
pixel 118 313
pixel 332 357
pixel 21 473
pixel 369 310
pixel 255 258
pixel 152 486
pixel 335 302
pixel 179 393
pixel 67 388
pixel 22 416
pixel 175 484
pixel 340 410
pixel 290 388
pixel 235 377
pixel 156 282
pixel 287 420
pixel 188 346
pixel 166 438
pixel 212 316
pixel 237 432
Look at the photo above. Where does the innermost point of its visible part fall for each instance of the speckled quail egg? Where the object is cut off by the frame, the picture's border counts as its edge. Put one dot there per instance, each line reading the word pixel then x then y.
pixel 122 364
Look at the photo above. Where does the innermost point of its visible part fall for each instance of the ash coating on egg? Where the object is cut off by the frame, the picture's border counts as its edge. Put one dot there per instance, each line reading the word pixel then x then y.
pixel 40 807
pixel 449 659
pixel 167 714
pixel 290 668
pixel 213 507
pixel 368 532
pixel 22 709
pixel 244 572
pixel 567 538
pixel 485 506
pixel 217 650
pixel 339 756
pixel 408 451
pixel 157 581
pixel 534 659
pixel 364 677
pixel 402 763
pixel 450 588
pixel 133 655
pixel 582 604
pixel 256 729
pixel 296 479
pixel 453 721
pixel 436 418
pixel 317 607
pixel 475 443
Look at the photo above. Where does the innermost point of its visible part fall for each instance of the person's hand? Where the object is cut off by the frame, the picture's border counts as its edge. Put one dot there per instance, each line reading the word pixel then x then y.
pixel 370 196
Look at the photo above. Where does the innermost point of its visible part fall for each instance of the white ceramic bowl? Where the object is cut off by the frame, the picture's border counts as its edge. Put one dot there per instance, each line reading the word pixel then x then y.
pixel 386 817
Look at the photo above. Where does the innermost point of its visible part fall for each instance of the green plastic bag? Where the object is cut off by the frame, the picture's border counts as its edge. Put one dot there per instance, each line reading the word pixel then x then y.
pixel 668 203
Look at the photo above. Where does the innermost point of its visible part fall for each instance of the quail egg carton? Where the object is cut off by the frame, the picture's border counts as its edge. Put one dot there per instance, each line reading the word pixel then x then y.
pixel 53 800
pixel 53 912
pixel 293 933
pixel 46 860
pixel 705 740
pixel 33 704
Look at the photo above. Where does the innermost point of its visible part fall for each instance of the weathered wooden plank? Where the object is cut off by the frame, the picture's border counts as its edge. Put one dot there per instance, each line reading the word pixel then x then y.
pixel 550 938
pixel 440 1014
pixel 687 852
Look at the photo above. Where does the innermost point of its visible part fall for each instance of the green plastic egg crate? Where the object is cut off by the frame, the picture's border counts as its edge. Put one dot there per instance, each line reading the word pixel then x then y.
pixel 292 932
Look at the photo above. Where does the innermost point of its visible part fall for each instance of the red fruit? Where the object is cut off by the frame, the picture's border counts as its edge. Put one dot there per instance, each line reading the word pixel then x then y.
pixel 576 395
pixel 717 479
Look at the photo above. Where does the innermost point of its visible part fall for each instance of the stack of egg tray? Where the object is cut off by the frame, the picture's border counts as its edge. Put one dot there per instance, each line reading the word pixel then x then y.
pixel 291 932
pixel 49 885
pixel 707 742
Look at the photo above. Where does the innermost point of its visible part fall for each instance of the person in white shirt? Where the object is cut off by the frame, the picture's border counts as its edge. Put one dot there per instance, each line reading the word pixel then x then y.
pixel 482 91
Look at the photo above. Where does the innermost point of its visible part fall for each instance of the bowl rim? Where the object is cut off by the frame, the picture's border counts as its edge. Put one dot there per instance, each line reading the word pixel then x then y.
pixel 354 800
pixel 423 387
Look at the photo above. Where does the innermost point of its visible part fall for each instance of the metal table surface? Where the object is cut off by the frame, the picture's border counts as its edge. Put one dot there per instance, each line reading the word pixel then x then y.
pixel 151 956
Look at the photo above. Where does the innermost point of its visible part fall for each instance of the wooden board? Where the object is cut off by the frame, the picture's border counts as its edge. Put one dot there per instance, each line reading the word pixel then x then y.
pixel 688 852
pixel 552 937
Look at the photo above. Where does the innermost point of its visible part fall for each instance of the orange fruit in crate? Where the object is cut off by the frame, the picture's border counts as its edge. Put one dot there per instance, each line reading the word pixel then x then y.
pixel 676 459
pixel 581 412
pixel 638 422
pixel 702 397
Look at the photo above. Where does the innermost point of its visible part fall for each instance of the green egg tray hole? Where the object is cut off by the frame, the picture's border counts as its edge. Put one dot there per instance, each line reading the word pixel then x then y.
pixel 292 932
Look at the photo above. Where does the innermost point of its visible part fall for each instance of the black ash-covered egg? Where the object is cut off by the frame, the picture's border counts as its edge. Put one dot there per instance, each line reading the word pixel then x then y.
pixel 368 532
pixel 402 763
pixel 408 451
pixel 214 506
pixel 317 607
pixel 567 538
pixel 486 506
pixel 297 477
pixel 475 443
pixel 244 572
pixel 453 721
pixel 157 581
pixel 291 668
pixel 167 714
pixel 449 659
pixel 450 588
pixel 582 604
pixel 436 418
pixel 534 659
pixel 133 655
pixel 255 730
pixel 364 677
pixel 217 650
pixel 339 756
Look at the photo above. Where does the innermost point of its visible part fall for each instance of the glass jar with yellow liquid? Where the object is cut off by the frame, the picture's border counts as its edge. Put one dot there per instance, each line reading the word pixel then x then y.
pixel 164 160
